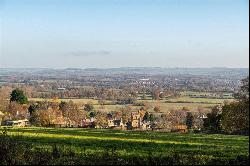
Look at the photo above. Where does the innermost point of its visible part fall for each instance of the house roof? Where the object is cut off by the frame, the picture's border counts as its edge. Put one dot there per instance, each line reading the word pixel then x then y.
pixel 17 121
pixel 181 127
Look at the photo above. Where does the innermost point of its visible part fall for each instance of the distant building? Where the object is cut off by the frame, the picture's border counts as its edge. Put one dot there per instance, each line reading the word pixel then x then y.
pixel 180 128
pixel 111 123
pixel 144 79
pixel 18 123
pixel 145 126
pixel 203 116
pixel 119 124
pixel 61 88
pixel 88 123
pixel 116 124
pixel 135 120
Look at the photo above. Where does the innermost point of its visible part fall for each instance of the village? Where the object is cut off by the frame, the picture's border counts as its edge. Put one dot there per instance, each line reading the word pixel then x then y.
pixel 137 121
pixel 140 116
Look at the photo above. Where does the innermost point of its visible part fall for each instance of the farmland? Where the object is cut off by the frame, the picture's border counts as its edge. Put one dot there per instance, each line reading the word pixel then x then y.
pixel 135 147
pixel 167 104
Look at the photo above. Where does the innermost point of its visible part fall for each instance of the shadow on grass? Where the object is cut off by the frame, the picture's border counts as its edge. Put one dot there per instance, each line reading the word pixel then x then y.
pixel 16 150
pixel 139 136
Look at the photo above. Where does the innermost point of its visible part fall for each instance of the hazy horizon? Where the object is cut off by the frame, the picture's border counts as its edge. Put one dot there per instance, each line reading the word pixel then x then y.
pixel 117 67
pixel 83 34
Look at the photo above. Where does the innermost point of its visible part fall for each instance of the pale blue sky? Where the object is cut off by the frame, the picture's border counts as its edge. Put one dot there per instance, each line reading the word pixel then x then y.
pixel 119 33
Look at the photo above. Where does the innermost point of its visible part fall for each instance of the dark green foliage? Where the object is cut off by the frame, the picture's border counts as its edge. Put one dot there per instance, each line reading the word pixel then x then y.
pixel 35 119
pixel 18 96
pixel 243 94
pixel 32 108
pixel 189 120
pixel 92 114
pixel 34 116
pixel 88 107
pixel 235 116
pixel 151 118
pixel 62 105
pixel 146 117
pixel 212 122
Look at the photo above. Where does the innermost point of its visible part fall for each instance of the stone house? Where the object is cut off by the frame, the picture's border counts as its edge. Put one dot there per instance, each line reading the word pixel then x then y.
pixel 116 123
pixel 88 123
pixel 145 126
pixel 136 120
pixel 180 128
pixel 111 123
pixel 17 123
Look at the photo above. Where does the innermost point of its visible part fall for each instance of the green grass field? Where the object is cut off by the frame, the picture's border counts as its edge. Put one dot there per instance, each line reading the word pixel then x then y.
pixel 80 101
pixel 135 143
pixel 198 100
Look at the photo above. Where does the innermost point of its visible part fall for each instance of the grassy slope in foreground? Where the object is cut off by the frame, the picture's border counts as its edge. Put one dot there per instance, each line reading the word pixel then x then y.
pixel 136 143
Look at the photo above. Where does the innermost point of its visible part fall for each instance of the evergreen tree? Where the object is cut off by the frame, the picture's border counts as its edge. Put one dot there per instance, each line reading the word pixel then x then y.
pixel 189 120
pixel 18 96
pixel 146 117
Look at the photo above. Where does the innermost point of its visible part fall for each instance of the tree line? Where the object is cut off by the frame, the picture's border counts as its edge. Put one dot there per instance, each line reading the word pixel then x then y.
pixel 231 118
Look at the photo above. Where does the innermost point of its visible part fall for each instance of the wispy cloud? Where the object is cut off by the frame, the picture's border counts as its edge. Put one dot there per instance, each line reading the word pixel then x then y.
pixel 89 53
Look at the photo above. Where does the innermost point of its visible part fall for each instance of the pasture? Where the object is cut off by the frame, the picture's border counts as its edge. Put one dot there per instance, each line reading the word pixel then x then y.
pixel 136 147
pixel 168 104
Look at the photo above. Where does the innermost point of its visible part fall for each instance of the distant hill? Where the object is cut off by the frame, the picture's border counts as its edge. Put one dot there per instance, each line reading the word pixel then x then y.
pixel 237 73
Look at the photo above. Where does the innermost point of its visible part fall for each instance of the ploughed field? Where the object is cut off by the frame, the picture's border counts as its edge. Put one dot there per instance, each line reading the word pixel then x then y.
pixel 104 146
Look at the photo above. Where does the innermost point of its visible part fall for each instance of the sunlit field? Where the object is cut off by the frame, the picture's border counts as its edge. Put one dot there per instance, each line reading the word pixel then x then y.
pixel 168 104
pixel 132 144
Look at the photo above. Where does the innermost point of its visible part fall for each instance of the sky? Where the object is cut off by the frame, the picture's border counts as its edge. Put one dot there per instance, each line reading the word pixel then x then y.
pixel 124 33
